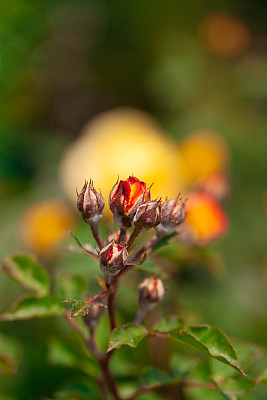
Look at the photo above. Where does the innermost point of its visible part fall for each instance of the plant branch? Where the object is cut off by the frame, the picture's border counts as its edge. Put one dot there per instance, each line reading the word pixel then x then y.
pixel 122 236
pixel 146 247
pixel 88 252
pixel 96 235
pixel 111 304
pixel 132 238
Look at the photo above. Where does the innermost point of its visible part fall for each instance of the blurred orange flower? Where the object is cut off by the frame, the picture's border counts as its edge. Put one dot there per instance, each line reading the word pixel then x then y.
pixel 225 35
pixel 205 219
pixel 202 153
pixel 42 226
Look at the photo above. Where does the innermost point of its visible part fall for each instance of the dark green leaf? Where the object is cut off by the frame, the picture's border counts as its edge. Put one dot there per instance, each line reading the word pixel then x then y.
pixel 169 324
pixel 26 271
pixel 129 334
pixel 9 355
pixel 29 307
pixel 209 340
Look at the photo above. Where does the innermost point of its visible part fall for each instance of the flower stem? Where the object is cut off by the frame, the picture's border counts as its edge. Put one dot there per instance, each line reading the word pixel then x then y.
pixel 146 247
pixel 96 235
pixel 111 305
pixel 132 238
pixel 140 315
pixel 123 231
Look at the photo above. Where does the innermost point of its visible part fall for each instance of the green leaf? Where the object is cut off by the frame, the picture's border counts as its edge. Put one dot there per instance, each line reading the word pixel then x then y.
pixel 63 354
pixel 169 324
pixel 70 286
pixel 81 308
pixel 27 272
pixel 209 340
pixel 128 334
pixel 153 378
pixel 30 306
pixel 9 355
pixel 234 388
pixel 247 352
pixel 262 379
pixel 148 267
pixel 163 241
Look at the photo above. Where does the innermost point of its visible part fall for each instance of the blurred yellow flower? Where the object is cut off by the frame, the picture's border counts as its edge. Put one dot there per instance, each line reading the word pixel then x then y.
pixel 121 142
pixel 42 226
pixel 202 153
pixel 225 35
pixel 205 219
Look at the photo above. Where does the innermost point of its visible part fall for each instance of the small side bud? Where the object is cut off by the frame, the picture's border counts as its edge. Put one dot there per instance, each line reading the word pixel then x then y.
pixel 94 313
pixel 148 215
pixel 151 291
pixel 172 215
pixel 90 203
pixel 112 259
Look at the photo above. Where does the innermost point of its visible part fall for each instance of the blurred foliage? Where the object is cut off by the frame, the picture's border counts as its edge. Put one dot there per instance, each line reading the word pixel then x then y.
pixel 62 62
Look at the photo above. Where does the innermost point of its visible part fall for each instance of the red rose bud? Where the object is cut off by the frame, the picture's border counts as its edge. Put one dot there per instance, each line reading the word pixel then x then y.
pixel 172 215
pixel 90 203
pixel 124 199
pixel 148 215
pixel 113 258
pixel 151 290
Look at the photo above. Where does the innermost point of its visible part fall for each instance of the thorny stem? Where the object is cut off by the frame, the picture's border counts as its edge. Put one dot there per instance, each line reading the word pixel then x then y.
pixel 96 235
pixel 146 247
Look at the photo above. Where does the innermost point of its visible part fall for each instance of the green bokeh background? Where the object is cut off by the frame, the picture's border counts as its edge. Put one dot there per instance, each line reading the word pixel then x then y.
pixel 62 62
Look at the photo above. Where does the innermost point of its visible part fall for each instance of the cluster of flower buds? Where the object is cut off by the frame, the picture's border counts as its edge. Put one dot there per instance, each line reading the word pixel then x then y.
pixel 131 206
pixel 151 291
pixel 172 215
pixel 112 258
pixel 90 203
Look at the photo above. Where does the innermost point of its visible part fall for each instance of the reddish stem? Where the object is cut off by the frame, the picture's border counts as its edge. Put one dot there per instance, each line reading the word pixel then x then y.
pixel 96 235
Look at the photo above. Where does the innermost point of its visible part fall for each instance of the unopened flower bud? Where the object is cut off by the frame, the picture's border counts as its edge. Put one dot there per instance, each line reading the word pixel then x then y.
pixel 113 258
pixel 93 315
pixel 148 215
pixel 124 199
pixel 151 291
pixel 90 203
pixel 172 215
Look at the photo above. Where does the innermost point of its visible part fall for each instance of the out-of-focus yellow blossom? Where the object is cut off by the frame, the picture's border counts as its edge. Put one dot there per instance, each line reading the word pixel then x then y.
pixel 202 153
pixel 42 226
pixel 121 142
pixel 225 35
pixel 205 219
